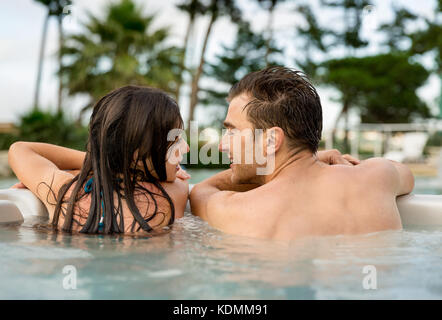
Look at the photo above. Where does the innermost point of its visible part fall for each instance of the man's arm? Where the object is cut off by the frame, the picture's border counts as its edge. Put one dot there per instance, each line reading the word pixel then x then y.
pixel 237 212
pixel 203 191
pixel 405 178
pixel 394 174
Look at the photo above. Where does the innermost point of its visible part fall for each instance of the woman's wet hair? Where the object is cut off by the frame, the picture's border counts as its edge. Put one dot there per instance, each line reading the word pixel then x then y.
pixel 285 98
pixel 128 127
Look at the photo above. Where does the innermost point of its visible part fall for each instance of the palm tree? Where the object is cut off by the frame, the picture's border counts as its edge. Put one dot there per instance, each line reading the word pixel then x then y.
pixel 193 8
pixel 117 50
pixel 60 12
pixel 40 58
pixel 54 8
pixel 216 9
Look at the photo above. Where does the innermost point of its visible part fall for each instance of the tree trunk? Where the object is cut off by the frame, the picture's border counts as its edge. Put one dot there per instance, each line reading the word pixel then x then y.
pixel 40 62
pixel 183 58
pixel 199 71
pixel 270 35
pixel 335 127
pixel 83 111
pixel 440 97
pixel 60 82
pixel 343 112
pixel 346 146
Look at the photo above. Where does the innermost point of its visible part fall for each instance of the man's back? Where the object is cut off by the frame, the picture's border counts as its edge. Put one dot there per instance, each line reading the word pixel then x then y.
pixel 338 199
pixel 276 186
pixel 318 200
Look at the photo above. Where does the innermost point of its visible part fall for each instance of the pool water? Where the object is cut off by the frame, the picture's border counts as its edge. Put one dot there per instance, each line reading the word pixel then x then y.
pixel 195 261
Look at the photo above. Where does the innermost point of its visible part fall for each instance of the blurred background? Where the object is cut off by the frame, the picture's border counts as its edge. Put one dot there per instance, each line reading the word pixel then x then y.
pixel 377 66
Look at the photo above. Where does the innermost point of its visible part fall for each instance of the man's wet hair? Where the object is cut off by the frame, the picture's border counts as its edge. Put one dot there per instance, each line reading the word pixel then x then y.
pixel 285 98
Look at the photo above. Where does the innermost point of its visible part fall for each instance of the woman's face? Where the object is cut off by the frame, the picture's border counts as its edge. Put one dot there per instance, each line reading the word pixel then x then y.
pixel 174 157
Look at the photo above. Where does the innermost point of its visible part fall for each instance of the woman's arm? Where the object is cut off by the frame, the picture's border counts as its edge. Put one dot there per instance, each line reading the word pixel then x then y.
pixel 63 158
pixel 39 166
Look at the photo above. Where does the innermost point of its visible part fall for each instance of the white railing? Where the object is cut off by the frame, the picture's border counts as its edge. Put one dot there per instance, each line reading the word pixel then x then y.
pixel 382 129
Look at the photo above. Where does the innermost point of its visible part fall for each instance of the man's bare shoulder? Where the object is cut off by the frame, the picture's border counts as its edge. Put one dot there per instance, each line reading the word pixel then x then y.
pixel 371 173
pixel 390 173
pixel 377 170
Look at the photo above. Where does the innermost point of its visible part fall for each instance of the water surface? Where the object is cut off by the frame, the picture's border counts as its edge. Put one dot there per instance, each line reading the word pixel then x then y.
pixel 195 261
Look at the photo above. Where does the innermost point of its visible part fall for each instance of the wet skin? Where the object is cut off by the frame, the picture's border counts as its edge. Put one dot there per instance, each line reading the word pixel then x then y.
pixel 306 194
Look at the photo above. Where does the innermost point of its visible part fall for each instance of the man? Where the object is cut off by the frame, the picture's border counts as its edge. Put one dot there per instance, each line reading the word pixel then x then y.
pixel 300 195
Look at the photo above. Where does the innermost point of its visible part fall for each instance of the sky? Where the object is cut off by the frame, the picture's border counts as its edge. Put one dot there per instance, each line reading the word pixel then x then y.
pixel 21 23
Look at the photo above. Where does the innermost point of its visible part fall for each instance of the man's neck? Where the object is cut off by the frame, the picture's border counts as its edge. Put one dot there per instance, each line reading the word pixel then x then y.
pixel 285 162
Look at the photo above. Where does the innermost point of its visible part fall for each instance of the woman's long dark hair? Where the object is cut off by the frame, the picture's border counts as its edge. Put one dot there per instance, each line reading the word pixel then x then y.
pixel 127 122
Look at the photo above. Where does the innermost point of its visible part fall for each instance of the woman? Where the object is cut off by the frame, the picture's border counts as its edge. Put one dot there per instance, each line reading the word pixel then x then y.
pixel 127 181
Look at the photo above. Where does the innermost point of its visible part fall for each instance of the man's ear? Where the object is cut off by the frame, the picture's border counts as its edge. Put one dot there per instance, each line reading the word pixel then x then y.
pixel 274 139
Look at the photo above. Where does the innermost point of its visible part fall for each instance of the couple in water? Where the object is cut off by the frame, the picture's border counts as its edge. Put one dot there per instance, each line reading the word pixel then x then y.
pixel 129 179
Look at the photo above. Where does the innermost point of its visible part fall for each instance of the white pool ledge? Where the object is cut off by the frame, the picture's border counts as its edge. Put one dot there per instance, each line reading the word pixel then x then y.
pixel 17 205
pixel 420 209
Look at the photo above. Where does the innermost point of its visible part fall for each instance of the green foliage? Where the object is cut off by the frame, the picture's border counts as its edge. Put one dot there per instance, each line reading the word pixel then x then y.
pixel 118 50
pixel 123 48
pixel 244 56
pixel 6 139
pixel 428 40
pixel 45 126
pixel 192 8
pixel 382 87
pixel 270 4
pixel 56 7
pixel 219 8
pixel 350 36
pixel 199 165
pixel 435 140
pixel 396 31
pixel 421 40
pixel 313 36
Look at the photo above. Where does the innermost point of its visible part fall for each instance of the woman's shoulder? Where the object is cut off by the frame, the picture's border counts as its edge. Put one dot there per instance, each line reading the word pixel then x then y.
pixel 177 188
pixel 178 192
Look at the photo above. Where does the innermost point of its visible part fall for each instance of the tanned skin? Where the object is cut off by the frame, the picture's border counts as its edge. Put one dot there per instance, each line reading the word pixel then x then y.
pixel 306 194
pixel 39 166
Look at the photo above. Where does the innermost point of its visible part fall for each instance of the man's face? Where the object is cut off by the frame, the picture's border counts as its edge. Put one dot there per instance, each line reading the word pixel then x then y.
pixel 238 141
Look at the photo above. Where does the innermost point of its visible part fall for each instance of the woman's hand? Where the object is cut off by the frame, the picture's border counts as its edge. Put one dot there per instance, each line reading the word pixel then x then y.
pixel 18 185
pixel 333 156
